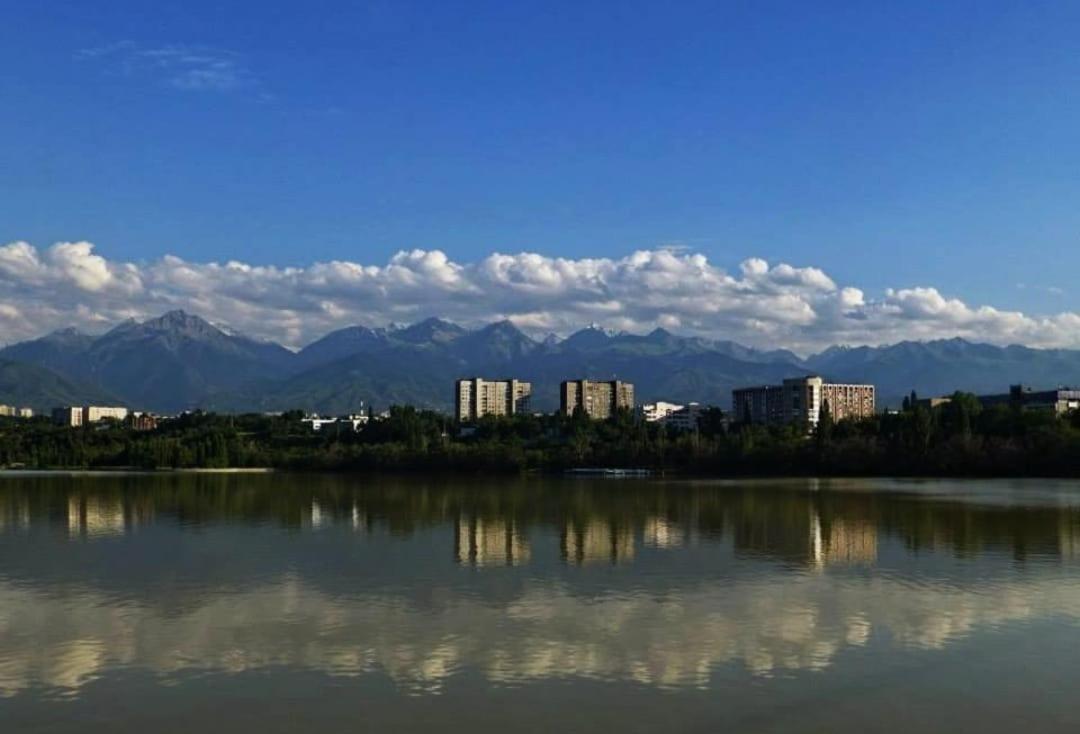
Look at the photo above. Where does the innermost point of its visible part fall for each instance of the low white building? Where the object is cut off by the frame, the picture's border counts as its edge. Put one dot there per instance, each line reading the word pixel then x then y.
pixel 355 422
pixel 672 415
pixel 658 411
pixel 74 415
pixel 96 413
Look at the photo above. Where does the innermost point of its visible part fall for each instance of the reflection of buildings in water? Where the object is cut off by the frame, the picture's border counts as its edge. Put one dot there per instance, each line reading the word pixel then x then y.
pixel 359 519
pixel 847 542
pixel 321 516
pixel 317 517
pixel 481 542
pixel 802 536
pixel 96 517
pixel 1069 535
pixel 660 532
pixel 15 515
pixel 597 542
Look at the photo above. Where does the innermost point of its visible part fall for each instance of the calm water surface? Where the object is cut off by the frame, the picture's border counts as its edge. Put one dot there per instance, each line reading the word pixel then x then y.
pixel 315 603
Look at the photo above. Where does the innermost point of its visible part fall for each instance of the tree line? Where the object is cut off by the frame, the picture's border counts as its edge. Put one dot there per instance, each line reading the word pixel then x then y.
pixel 957 438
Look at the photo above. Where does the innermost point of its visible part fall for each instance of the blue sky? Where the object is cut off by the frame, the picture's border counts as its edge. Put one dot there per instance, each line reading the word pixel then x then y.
pixel 892 145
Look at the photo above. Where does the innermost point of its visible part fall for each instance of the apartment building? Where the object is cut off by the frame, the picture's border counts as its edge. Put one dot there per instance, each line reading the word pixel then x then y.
pixel 598 399
pixel 684 419
pixel 848 401
pixel 96 413
pixel 143 421
pixel 761 405
pixel 800 401
pixel 10 411
pixel 74 416
pixel 475 398
pixel 1058 401
pixel 70 416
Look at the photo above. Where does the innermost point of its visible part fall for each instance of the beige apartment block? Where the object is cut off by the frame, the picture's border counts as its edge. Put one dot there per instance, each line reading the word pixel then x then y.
pixel 598 399
pixel 74 415
pixel 475 398
pixel 95 413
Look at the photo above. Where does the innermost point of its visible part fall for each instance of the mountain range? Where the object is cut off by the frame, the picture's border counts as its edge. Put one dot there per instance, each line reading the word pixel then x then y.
pixel 180 361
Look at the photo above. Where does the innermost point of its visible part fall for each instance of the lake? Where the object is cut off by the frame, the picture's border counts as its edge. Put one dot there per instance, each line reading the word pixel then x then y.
pixel 274 603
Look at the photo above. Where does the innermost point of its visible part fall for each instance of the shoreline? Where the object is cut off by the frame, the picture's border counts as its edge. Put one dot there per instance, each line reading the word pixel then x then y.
pixel 608 473
pixel 104 470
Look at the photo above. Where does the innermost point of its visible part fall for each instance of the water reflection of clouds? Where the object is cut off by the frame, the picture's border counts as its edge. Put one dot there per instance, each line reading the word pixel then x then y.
pixel 798 622
pixel 61 628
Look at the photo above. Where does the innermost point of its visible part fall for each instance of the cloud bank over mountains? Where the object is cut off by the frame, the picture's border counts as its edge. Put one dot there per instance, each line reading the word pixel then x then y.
pixel 763 304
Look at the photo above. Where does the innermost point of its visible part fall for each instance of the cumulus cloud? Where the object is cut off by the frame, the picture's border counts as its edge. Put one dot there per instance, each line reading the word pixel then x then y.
pixel 762 304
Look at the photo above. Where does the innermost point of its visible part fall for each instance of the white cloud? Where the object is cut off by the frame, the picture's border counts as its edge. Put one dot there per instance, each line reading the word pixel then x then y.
pixel 761 304
pixel 181 66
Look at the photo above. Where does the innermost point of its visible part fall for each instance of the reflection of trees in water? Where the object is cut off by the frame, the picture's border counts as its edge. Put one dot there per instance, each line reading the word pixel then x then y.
pixel 795 522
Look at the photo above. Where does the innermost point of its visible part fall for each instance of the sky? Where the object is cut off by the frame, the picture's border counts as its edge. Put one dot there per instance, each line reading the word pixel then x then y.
pixel 780 173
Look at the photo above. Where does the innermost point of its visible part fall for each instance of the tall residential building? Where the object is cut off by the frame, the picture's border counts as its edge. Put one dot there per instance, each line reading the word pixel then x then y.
pixel 760 405
pixel 475 397
pixel 848 401
pixel 800 400
pixel 598 399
